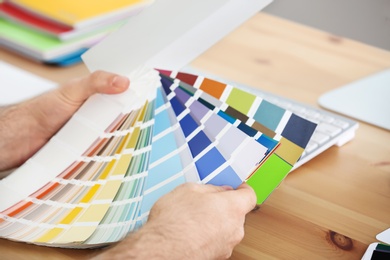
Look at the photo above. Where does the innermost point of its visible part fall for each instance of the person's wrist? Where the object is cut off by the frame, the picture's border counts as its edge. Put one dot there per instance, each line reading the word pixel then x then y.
pixel 166 245
pixel 150 242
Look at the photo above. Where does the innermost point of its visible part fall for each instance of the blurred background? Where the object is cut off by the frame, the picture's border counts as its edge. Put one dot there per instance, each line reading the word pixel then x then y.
pixel 59 32
pixel 367 21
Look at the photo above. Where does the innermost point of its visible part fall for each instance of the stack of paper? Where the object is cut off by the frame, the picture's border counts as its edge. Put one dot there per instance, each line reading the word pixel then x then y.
pixel 58 32
pixel 98 177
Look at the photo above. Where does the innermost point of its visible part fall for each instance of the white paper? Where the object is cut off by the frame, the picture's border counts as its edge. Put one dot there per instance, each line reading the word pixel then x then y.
pixel 169 34
pixel 17 85
pixel 384 236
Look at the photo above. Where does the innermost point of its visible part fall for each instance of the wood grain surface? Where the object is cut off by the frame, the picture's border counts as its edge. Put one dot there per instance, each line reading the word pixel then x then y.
pixel 330 208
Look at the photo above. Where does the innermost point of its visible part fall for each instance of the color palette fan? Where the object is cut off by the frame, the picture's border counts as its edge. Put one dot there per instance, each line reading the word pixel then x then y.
pixel 98 177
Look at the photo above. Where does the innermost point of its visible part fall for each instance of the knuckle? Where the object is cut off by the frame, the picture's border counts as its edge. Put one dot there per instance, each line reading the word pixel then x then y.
pixel 96 76
pixel 189 186
pixel 100 77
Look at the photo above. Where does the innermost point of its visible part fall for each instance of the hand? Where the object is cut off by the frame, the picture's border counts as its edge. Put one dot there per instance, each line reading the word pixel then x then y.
pixel 194 221
pixel 26 127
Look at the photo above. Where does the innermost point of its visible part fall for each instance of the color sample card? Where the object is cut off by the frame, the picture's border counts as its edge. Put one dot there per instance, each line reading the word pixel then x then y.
pixel 256 117
pixel 204 127
pixel 97 179
pixel 73 203
pixel 171 162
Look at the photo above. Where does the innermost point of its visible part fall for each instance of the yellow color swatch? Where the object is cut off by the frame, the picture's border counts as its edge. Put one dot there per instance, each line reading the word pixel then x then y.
pixel 94 213
pixel 122 144
pixel 109 190
pixel 122 165
pixel 133 138
pixel 50 235
pixel 75 234
pixel 107 170
pixel 92 191
pixel 142 113
pixel 71 216
pixel 289 151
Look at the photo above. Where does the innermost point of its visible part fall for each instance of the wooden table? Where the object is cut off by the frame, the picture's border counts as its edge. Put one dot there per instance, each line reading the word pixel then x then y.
pixel 330 208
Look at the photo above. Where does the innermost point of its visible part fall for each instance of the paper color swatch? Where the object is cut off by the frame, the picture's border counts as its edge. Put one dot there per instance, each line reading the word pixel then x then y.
pixel 97 179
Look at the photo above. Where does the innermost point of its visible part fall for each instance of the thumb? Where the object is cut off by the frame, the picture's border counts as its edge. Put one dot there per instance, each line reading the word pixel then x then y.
pixel 244 196
pixel 78 90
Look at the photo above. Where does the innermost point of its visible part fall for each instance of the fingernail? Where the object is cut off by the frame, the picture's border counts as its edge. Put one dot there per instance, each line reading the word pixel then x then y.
pixel 120 82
